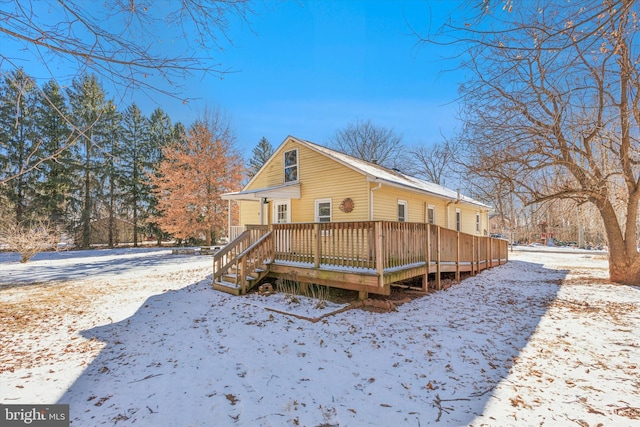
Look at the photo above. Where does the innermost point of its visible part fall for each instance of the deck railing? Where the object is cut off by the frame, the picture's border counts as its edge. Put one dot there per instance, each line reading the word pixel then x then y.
pixel 371 245
pixel 390 251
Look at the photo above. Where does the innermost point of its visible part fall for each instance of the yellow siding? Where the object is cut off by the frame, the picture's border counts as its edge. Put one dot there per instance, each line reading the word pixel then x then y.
pixel 386 208
pixel 250 212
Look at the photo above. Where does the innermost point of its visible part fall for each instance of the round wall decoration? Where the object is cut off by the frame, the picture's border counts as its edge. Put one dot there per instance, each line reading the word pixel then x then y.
pixel 347 205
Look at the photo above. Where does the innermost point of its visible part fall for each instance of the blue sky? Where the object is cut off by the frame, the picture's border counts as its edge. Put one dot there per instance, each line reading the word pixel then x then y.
pixel 308 68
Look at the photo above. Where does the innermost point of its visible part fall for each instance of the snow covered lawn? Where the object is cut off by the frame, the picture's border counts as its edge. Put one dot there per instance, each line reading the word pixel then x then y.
pixel 137 337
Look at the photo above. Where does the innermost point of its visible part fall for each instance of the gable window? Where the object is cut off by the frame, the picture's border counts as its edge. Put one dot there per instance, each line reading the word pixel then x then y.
pixel 458 220
pixel 323 210
pixel 477 222
pixel 402 211
pixel 431 215
pixel 291 165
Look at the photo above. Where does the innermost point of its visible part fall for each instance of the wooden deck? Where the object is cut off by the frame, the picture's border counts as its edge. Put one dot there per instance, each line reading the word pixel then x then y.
pixel 364 256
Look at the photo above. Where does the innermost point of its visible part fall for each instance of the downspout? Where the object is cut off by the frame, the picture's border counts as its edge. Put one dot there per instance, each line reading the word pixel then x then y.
pixel 371 201
pixel 447 206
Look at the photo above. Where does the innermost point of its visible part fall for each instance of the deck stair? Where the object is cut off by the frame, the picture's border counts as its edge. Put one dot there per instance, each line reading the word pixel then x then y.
pixel 245 261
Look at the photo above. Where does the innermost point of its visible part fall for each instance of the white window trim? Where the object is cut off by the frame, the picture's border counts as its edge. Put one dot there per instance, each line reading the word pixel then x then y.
pixel 406 210
pixel 431 208
pixel 458 223
pixel 284 166
pixel 478 221
pixel 317 204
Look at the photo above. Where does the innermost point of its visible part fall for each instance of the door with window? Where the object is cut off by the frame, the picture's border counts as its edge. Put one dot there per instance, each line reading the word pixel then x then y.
pixel 281 212
pixel 282 215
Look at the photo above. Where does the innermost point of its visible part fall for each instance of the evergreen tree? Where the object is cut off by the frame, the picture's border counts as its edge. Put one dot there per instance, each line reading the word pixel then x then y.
pixel 111 175
pixel 161 134
pixel 57 180
pixel 136 161
pixel 86 98
pixel 19 143
pixel 261 153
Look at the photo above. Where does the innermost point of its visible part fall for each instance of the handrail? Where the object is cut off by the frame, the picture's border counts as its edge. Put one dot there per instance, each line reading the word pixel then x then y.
pixel 241 259
pixel 255 244
pixel 231 245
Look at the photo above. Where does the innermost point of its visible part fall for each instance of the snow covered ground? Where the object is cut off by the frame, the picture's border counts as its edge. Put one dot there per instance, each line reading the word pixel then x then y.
pixel 137 337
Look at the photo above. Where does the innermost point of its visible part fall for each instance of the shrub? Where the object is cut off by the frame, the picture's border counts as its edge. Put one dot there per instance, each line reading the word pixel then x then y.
pixel 30 239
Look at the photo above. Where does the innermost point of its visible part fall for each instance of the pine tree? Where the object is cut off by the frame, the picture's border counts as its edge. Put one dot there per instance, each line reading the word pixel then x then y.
pixel 19 143
pixel 136 162
pixel 86 98
pixel 161 134
pixel 57 180
pixel 195 172
pixel 261 153
pixel 110 176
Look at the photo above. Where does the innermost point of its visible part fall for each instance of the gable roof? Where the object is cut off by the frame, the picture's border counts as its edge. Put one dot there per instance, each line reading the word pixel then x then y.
pixel 373 172
pixel 378 173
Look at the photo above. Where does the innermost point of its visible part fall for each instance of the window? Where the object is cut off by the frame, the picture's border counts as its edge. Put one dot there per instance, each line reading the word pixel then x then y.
pixel 402 211
pixel 431 215
pixel 291 166
pixel 458 220
pixel 323 210
pixel 477 222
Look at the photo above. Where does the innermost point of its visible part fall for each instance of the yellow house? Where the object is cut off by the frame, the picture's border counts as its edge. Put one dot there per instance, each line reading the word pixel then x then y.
pixel 331 219
pixel 304 182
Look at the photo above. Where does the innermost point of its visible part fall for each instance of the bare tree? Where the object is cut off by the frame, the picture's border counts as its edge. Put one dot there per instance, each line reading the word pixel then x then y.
pixel 367 141
pixel 436 162
pixel 125 42
pixel 553 109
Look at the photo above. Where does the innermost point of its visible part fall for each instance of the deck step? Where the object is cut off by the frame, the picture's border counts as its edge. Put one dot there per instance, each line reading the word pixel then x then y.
pixel 231 277
pixel 227 287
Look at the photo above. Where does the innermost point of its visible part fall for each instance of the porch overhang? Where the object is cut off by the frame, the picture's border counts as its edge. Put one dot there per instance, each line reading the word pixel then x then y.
pixel 285 191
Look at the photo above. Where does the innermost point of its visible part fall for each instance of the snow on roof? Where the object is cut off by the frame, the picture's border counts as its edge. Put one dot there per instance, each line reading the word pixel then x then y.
pixel 380 173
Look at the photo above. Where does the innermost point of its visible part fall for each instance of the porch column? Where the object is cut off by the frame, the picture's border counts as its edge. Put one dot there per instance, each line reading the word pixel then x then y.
pixel 229 216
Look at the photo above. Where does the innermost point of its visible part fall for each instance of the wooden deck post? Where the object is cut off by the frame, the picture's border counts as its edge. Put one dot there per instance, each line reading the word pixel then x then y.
pixel 318 248
pixel 473 256
pixel 438 253
pixel 490 257
pixel 427 258
pixel 241 275
pixel 458 256
pixel 379 253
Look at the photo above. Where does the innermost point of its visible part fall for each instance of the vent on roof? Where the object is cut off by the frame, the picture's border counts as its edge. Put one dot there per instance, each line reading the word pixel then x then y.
pixel 374 161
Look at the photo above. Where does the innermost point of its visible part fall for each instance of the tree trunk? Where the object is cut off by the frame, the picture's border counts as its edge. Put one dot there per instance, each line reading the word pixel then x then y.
pixel 624 259
pixel 208 236
pixel 624 268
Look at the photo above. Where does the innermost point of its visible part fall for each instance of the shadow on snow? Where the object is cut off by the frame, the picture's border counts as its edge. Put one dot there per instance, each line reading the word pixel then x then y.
pixel 198 357
pixel 81 264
